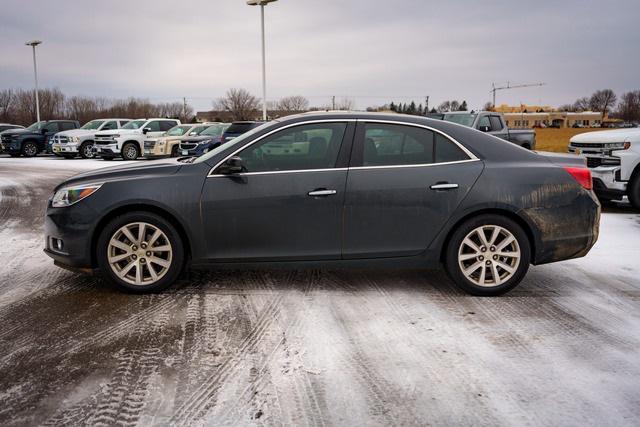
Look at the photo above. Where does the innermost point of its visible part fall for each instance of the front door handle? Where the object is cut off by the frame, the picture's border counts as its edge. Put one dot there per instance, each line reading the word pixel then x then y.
pixel 321 192
pixel 444 186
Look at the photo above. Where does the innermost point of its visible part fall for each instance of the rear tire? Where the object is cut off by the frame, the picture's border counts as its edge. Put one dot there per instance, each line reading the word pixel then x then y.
pixel 29 149
pixel 490 266
pixel 130 151
pixel 634 191
pixel 140 261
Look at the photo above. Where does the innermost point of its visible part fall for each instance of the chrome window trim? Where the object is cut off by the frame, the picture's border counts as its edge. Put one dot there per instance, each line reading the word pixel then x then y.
pixel 472 157
pixel 211 174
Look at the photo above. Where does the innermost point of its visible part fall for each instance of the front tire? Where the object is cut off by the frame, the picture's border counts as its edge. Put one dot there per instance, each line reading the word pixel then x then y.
pixel 140 252
pixel 29 149
pixel 488 255
pixel 130 151
pixel 174 151
pixel 634 191
pixel 86 150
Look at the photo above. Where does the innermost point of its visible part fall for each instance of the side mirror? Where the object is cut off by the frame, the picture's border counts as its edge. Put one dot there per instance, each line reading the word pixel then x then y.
pixel 145 130
pixel 484 128
pixel 232 165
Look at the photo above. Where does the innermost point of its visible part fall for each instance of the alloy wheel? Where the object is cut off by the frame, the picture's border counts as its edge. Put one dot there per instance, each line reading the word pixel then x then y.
pixel 139 253
pixel 489 255
pixel 130 152
pixel 30 150
pixel 87 151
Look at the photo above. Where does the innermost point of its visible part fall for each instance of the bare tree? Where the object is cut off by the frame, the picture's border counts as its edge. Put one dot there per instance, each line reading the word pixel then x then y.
pixel 346 104
pixel 602 100
pixel 581 104
pixel 6 100
pixel 566 107
pixel 454 105
pixel 444 107
pixel 242 104
pixel 293 103
pixel 488 106
pixel 629 107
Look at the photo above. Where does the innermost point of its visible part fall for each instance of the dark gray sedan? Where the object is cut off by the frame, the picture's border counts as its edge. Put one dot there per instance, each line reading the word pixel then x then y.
pixel 329 190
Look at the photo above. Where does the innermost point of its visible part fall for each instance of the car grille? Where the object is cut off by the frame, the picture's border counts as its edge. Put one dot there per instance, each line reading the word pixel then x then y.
pixel 593 162
pixel 149 144
pixel 6 139
pixel 189 146
pixel 582 145
pixel 103 140
pixel 59 139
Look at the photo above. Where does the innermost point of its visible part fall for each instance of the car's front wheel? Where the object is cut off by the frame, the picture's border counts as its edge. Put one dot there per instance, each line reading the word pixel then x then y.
pixel 130 151
pixel 86 150
pixel 488 255
pixel 634 191
pixel 140 252
pixel 29 149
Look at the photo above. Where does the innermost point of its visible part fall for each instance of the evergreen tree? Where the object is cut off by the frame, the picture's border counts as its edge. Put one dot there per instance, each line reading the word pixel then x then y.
pixel 392 106
pixel 463 106
pixel 412 108
pixel 420 111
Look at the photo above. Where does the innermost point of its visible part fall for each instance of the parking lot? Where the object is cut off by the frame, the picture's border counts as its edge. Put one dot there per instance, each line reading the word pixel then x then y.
pixel 312 347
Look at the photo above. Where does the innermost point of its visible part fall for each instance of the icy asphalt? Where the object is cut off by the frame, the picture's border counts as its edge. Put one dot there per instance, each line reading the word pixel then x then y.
pixel 312 347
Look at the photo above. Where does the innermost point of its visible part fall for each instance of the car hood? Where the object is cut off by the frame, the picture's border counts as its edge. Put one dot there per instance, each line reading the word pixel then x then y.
pixel 20 132
pixel 76 132
pixel 604 136
pixel 199 138
pixel 119 132
pixel 125 172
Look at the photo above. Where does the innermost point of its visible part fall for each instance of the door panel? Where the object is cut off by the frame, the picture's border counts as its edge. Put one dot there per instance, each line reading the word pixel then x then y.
pixel 394 212
pixel 272 217
pixel 391 208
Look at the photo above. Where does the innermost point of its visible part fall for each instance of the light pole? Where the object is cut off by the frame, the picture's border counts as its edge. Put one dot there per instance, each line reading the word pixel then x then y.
pixel 262 4
pixel 33 44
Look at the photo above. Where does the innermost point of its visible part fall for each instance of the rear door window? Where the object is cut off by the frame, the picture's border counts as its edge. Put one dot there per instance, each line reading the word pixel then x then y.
pixel 67 125
pixel 304 147
pixel 496 123
pixel 165 125
pixel 52 127
pixel 381 144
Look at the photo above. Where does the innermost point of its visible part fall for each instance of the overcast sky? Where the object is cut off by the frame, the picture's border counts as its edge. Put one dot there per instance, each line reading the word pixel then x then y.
pixel 372 51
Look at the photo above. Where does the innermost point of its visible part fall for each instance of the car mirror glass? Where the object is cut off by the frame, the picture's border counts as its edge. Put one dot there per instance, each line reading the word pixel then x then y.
pixel 232 166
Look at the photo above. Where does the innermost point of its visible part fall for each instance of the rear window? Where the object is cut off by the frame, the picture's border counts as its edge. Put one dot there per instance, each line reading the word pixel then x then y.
pixel 241 127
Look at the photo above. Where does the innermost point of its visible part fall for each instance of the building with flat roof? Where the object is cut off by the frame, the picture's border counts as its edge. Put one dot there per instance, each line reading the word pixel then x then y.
pixel 558 119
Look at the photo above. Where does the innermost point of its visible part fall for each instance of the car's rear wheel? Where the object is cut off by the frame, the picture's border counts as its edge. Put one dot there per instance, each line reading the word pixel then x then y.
pixel 130 151
pixel 140 252
pixel 86 150
pixel 29 149
pixel 634 190
pixel 488 255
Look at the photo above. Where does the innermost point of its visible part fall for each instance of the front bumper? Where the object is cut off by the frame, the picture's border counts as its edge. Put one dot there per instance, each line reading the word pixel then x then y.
pixel 70 147
pixel 9 148
pixel 69 225
pixel 606 182
pixel 108 150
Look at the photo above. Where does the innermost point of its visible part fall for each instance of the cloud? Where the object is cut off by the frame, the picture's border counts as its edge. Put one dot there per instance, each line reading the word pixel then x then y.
pixel 372 51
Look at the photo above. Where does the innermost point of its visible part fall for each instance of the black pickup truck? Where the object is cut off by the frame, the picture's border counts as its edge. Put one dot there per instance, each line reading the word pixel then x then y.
pixel 33 140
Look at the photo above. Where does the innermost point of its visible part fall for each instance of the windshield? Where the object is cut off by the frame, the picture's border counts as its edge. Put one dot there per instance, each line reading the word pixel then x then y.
pixel 233 142
pixel 215 130
pixel 240 127
pixel 93 124
pixel 37 125
pixel 461 119
pixel 178 130
pixel 134 124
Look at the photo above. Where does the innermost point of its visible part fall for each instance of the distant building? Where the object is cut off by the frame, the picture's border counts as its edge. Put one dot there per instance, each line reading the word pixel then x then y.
pixel 559 119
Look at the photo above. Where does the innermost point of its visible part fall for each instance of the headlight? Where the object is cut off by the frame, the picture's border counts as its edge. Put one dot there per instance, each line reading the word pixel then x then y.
pixel 115 135
pixel 206 141
pixel 68 196
pixel 74 139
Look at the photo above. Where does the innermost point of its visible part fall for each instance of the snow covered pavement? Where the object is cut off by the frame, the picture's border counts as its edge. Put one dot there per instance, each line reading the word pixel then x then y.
pixel 312 347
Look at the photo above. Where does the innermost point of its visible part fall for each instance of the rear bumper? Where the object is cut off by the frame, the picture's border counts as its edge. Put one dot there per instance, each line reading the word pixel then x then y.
pixel 564 232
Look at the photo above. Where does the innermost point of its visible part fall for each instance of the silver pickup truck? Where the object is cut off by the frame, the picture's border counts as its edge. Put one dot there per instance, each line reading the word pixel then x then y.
pixel 492 123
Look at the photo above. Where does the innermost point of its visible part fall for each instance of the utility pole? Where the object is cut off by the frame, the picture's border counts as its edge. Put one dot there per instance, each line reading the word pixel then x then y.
pixel 333 102
pixel 184 108
pixel 33 44
pixel 262 4
pixel 426 103
pixel 494 88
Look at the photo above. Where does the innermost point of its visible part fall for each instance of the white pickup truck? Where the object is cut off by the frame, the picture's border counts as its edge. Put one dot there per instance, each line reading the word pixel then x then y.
pixel 70 143
pixel 128 141
pixel 613 156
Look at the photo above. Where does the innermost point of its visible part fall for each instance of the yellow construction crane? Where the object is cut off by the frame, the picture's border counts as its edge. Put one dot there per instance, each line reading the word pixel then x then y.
pixel 495 88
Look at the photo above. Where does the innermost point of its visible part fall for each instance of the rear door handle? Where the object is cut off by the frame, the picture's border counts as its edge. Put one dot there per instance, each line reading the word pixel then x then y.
pixel 444 186
pixel 321 193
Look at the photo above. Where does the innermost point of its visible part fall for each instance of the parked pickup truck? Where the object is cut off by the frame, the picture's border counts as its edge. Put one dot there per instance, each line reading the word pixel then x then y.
pixel 128 141
pixel 493 124
pixel 613 156
pixel 70 143
pixel 34 139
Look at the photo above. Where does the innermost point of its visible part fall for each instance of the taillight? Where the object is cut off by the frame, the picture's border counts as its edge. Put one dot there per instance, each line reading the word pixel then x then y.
pixel 582 175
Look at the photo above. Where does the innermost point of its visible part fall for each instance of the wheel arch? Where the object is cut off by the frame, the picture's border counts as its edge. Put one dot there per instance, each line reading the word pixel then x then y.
pixel 518 219
pixel 140 207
